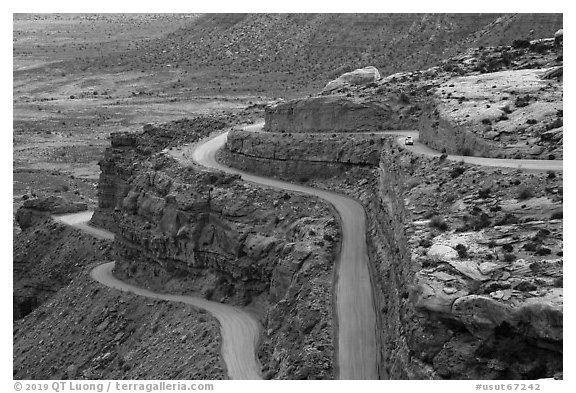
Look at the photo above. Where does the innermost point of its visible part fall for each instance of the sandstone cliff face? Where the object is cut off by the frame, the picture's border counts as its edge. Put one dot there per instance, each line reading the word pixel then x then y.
pixel 329 114
pixel 325 155
pixel 184 230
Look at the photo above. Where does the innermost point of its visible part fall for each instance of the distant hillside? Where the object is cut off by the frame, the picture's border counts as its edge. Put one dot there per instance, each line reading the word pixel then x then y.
pixel 300 52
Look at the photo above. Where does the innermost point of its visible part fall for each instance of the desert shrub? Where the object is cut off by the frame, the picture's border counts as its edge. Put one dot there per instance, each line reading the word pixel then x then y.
pixel 558 282
pixel 457 171
pixel 438 223
pixel 486 121
pixel 557 215
pixel 541 234
pixel 551 174
pixel 524 193
pixel 443 156
pixel 426 243
pixel 465 151
pixel 539 47
pixel 555 124
pixel 508 247
pixel 495 208
pixel 450 197
pixel 509 257
pixel 462 250
pixel 551 157
pixel 531 121
pixel 517 44
pixel 508 219
pixel 484 193
pixel 479 222
pixel 541 251
pixel 404 99
pixel 522 101
pixel 530 246
pixel 303 179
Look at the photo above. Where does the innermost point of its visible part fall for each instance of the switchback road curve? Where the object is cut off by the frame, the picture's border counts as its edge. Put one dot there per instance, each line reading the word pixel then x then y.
pixel 240 331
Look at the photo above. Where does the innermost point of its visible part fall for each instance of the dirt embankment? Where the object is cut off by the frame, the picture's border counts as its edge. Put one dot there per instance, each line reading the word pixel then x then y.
pixel 182 230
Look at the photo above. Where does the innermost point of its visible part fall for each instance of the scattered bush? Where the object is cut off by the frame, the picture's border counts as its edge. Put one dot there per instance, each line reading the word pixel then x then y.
pixel 551 174
pixel 558 282
pixel 509 257
pixel 328 237
pixel 426 243
pixel 518 44
pixel 543 251
pixel 531 121
pixel 481 221
pixel 524 193
pixel 557 215
pixel 404 99
pixel 486 121
pixel 462 250
pixel 484 193
pixel 438 223
pixel 522 101
pixel 457 171
pixel 508 247
pixel 508 219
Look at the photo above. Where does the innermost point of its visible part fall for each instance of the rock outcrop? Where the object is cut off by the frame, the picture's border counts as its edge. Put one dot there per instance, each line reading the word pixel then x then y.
pixel 330 114
pixel 324 155
pixel 361 76
pixel 512 114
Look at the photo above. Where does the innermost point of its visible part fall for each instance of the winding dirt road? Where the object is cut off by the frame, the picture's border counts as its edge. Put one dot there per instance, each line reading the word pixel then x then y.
pixel 240 331
pixel 357 346
pixel 528 165
pixel 357 349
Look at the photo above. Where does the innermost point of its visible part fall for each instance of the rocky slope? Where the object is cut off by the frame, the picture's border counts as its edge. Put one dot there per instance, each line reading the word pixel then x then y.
pixel 289 54
pixel 186 230
pixel 87 331
pixel 47 254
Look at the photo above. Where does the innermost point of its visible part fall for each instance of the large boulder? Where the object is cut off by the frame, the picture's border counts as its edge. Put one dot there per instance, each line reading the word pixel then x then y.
pixel 361 76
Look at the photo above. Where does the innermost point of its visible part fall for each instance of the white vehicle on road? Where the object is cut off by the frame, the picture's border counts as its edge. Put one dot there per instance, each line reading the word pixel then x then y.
pixel 409 140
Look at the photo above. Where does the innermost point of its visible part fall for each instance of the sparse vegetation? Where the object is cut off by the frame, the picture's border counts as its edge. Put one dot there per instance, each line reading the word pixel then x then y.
pixel 457 171
pixel 438 223
pixel 524 193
